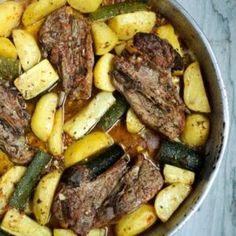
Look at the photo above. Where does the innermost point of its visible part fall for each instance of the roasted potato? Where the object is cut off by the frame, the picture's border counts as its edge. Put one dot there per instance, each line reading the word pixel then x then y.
pixel 34 28
pixel 102 77
pixel 169 199
pixel 36 80
pixel 89 116
pixel 27 48
pixel 133 124
pixel 127 25
pixel 195 96
pixel 7 49
pixel 39 9
pixel 43 196
pixel 87 146
pixel 43 118
pixel 85 6
pixel 10 14
pixel 97 232
pixel 55 141
pixel 136 222
pixel 19 224
pixel 106 42
pixel 173 174
pixel 63 232
pixel 196 130
pixel 168 32
pixel 120 47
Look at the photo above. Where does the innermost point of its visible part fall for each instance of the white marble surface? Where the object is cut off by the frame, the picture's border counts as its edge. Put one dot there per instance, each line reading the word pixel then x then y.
pixel 217 215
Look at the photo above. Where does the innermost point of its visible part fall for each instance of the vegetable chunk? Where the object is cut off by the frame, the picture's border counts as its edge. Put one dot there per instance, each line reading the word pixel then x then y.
pixel 108 40
pixel 27 48
pixel 10 14
pixel 196 130
pixel 7 49
pixel 19 224
pixel 195 96
pixel 36 80
pixel 169 199
pixel 85 6
pixel 43 196
pixel 5 163
pixel 102 70
pixel 136 222
pixel 9 68
pixel 39 9
pixel 127 25
pixel 7 185
pixel 88 117
pixel 175 174
pixel 43 118
pixel 87 146
pixel 133 124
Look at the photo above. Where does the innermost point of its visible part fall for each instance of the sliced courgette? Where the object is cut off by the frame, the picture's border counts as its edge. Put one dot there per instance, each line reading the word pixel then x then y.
pixel 114 113
pixel 9 68
pixel 179 155
pixel 27 183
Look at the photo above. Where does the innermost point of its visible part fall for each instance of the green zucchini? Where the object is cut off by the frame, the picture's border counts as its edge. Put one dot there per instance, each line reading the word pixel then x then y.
pixel 179 155
pixel 106 12
pixel 9 68
pixel 114 113
pixel 97 165
pixel 29 180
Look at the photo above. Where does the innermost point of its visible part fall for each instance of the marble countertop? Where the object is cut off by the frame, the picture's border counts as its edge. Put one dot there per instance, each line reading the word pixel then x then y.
pixel 217 215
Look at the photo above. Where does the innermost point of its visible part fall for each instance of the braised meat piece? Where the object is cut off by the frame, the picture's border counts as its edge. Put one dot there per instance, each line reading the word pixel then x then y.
pixel 14 119
pixel 143 76
pixel 66 41
pixel 111 195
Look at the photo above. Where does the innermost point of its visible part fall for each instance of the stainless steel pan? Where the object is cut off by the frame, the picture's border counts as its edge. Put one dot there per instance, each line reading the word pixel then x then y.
pixel 196 40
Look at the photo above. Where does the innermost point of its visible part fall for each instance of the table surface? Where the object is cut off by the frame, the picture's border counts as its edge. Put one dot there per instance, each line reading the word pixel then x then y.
pixel 217 215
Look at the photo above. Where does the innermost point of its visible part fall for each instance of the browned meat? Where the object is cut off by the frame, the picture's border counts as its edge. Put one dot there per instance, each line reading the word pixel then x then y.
pixel 109 2
pixel 143 76
pixel 66 40
pixel 100 202
pixel 14 119
pixel 77 207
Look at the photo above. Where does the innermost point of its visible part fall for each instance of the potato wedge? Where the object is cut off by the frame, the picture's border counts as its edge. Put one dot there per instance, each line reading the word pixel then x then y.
pixel 5 163
pixel 136 222
pixel 133 124
pixel 36 80
pixel 196 130
pixel 89 116
pixel 10 14
pixel 27 48
pixel 87 146
pixel 108 40
pixel 39 9
pixel 43 196
pixel 34 28
pixel 102 77
pixel 169 199
pixel 63 232
pixel 173 174
pixel 7 185
pixel 127 25
pixel 97 232
pixel 195 96
pixel 43 118
pixel 7 49
pixel 168 32
pixel 85 6
pixel 55 142
pixel 19 224
pixel 120 47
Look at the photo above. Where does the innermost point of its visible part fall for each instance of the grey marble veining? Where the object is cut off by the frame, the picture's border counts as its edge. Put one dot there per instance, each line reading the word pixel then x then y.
pixel 217 215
